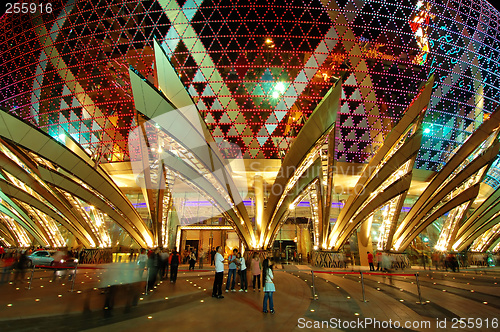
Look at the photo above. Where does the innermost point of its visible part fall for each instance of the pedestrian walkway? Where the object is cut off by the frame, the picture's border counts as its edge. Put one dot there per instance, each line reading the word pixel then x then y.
pixel 188 306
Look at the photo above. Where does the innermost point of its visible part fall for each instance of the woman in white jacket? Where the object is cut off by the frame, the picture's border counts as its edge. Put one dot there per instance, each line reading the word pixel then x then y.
pixel 269 289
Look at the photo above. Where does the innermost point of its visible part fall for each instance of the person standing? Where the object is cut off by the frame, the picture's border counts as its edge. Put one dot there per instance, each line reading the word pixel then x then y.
pixel 212 256
pixel 370 261
pixel 243 274
pixel 201 257
pixel 173 261
pixel 269 288
pixel 256 269
pixel 219 273
pixel 192 260
pixel 231 260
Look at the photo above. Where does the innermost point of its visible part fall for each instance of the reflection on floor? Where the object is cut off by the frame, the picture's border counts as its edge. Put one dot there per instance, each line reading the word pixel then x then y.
pixel 451 299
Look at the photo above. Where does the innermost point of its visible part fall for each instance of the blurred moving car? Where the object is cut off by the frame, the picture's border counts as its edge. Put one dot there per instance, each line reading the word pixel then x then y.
pixel 63 259
pixel 52 258
pixel 41 257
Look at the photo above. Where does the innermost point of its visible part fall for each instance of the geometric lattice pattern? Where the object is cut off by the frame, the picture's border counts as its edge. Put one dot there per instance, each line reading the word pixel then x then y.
pixel 256 69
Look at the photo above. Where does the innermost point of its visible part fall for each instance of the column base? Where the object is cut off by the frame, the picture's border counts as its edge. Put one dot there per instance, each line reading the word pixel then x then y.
pixel 398 260
pixel 329 259
pixel 96 256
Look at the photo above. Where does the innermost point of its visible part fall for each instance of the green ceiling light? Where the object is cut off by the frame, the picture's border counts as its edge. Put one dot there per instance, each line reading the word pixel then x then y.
pixel 280 87
pixel 427 131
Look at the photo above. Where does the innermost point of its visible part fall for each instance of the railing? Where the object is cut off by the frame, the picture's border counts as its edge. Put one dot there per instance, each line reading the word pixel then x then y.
pixel 52 267
pixel 315 295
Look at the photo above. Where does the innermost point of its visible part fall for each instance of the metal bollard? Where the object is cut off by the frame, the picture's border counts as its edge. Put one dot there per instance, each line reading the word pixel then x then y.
pixel 31 278
pixel 74 277
pixel 315 296
pixel 147 280
pixel 418 288
pixel 363 287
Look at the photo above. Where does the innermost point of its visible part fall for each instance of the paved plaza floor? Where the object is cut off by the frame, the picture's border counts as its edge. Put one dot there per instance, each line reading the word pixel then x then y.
pixel 468 300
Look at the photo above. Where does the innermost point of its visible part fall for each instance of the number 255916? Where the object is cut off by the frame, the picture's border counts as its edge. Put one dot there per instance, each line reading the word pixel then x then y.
pixel 25 8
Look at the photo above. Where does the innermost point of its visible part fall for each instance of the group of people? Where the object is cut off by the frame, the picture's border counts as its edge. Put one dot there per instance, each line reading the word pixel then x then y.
pixel 448 261
pixel 383 260
pixel 159 263
pixel 192 257
pixel 236 262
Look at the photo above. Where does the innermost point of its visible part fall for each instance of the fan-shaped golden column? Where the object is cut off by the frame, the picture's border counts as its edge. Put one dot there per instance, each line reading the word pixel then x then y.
pixel 258 186
pixel 388 174
pixel 481 220
pixel 308 181
pixel 192 153
pixel 493 242
pixel 301 155
pixel 467 164
pixel 324 227
pixel 154 185
pixel 70 161
pixel 11 210
pixel 7 236
pixel 67 216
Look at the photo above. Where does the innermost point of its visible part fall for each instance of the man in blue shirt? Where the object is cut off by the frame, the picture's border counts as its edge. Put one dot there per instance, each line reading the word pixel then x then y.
pixel 231 260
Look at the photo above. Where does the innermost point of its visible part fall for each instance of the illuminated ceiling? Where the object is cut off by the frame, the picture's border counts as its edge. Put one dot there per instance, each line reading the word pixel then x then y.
pixel 255 69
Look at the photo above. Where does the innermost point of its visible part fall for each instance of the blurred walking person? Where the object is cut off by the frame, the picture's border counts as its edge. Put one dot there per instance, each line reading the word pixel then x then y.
pixel 153 268
pixel 379 260
pixel 163 264
pixel 386 262
pixel 20 267
pixel 201 257
pixel 141 262
pixel 7 264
